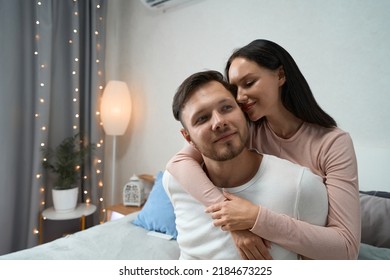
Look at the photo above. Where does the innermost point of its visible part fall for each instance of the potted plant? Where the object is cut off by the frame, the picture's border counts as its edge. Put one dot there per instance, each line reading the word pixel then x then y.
pixel 64 162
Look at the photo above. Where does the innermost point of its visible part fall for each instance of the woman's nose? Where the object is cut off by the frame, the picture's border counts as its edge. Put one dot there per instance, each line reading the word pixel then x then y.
pixel 241 96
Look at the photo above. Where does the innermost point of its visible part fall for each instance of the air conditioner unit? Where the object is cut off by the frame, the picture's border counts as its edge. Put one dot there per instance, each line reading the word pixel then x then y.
pixel 162 4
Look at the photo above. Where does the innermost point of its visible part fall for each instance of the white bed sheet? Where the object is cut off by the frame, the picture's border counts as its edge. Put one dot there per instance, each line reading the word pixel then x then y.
pixel 114 240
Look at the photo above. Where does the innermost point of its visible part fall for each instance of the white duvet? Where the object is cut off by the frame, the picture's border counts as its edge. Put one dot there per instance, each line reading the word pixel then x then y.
pixel 114 240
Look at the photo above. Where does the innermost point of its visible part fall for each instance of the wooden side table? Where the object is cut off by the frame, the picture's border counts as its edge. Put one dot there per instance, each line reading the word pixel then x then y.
pixel 82 210
pixel 119 210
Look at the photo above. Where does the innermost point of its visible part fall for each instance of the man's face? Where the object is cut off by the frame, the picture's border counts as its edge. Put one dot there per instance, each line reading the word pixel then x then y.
pixel 214 123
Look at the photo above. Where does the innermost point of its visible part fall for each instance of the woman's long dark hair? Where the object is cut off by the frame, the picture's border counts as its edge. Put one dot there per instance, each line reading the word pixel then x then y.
pixel 296 93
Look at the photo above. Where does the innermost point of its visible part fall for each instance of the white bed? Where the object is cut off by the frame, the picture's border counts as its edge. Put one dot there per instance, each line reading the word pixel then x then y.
pixel 114 240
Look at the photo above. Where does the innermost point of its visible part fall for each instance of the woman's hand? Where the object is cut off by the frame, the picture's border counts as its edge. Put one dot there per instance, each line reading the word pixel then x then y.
pixel 250 246
pixel 235 213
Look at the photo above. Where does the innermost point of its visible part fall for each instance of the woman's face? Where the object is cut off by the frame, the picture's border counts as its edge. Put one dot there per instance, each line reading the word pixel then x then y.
pixel 258 88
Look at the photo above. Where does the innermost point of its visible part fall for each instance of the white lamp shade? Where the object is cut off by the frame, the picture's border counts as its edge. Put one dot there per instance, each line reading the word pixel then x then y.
pixel 115 109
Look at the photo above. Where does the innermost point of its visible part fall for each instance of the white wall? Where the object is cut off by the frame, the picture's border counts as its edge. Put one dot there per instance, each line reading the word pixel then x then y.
pixel 342 47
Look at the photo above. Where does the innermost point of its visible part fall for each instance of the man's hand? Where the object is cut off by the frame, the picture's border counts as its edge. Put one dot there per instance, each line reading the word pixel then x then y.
pixel 238 215
pixel 235 213
pixel 250 246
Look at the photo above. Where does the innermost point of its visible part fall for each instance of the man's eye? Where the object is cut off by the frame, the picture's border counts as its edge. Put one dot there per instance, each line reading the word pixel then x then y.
pixel 201 119
pixel 227 108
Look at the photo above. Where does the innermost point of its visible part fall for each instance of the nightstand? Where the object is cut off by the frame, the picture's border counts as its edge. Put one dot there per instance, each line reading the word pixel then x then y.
pixel 117 211
pixel 82 210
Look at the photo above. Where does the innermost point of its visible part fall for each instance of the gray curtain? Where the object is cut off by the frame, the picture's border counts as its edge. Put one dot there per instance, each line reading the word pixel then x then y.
pixel 51 78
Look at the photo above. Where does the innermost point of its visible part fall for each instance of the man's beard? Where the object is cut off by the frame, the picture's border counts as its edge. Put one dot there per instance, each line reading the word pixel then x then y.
pixel 228 152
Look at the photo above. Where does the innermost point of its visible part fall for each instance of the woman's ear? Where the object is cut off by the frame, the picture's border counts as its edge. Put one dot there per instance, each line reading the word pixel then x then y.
pixel 186 135
pixel 282 76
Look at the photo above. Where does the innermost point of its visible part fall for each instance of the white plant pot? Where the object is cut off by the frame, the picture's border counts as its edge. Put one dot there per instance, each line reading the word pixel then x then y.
pixel 65 200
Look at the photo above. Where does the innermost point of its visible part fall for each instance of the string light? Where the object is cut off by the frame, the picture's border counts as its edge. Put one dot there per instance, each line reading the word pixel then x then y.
pixel 41 118
pixel 98 163
pixel 41 107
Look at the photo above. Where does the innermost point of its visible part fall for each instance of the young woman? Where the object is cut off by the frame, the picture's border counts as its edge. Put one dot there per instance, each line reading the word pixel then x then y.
pixel 285 121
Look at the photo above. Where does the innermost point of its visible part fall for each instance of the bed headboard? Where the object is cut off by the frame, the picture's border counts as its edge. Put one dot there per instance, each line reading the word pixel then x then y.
pixel 373 168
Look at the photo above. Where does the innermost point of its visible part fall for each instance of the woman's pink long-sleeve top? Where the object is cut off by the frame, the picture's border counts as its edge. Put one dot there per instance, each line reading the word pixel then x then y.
pixel 329 153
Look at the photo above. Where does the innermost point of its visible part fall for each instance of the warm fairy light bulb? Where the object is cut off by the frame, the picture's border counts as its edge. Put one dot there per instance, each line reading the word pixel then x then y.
pixel 35 231
pixel 38 176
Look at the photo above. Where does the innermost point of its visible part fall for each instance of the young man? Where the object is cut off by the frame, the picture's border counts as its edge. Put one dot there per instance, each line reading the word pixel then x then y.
pixel 215 125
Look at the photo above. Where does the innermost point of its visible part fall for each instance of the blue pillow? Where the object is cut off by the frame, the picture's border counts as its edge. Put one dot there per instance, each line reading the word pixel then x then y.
pixel 157 213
